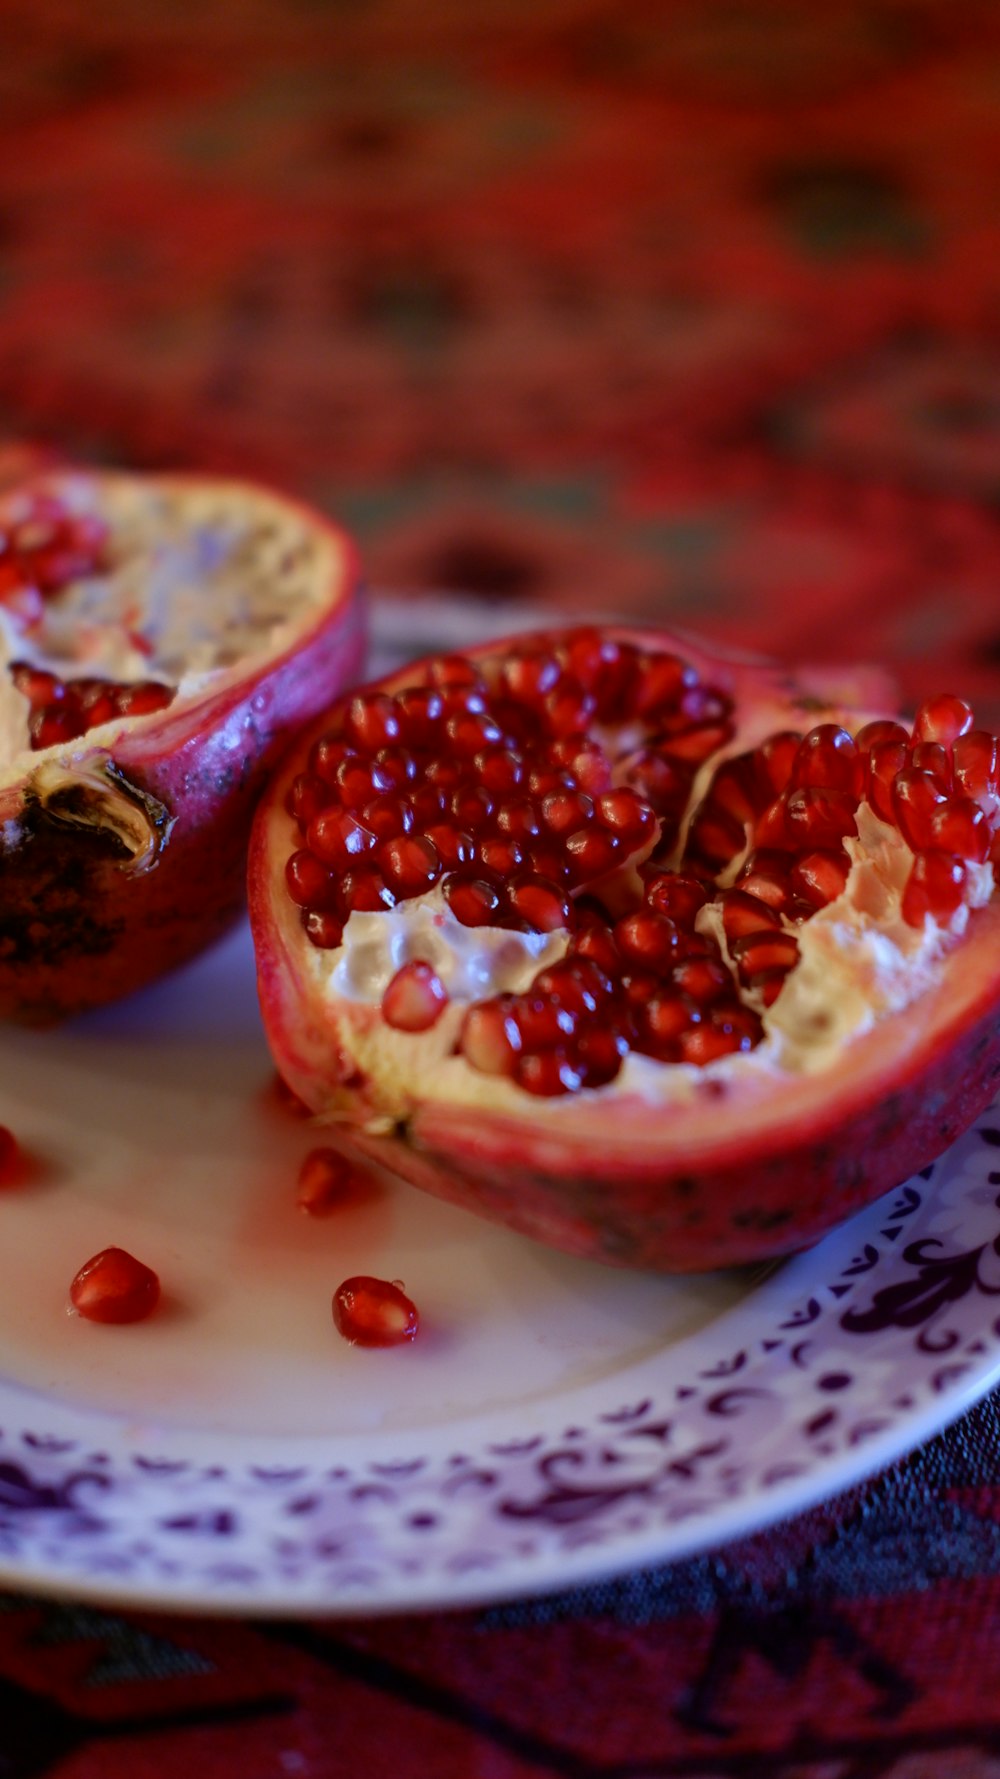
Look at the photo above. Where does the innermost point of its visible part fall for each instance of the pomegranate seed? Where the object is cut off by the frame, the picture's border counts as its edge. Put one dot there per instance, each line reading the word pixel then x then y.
pixel 661 681
pixel 886 760
pixel 372 1312
pixel 678 896
pixel 455 847
pixel 647 939
pixel 143 698
pixel 548 1073
pixel 774 762
pixel 499 856
pixel 326 755
pixel 597 946
pixel 428 803
pixel 565 811
pixel 764 951
pixel 935 886
pixel 358 781
pixel 568 709
pixel 410 864
pixel 490 1039
pixel 453 671
pixel 724 1033
pixel 879 732
pixel 469 732
pixel 976 769
pixel 625 815
pixel 325 1177
pixel 530 676
pixel 310 883
pixel 398 764
pixel 308 795
pixel 323 929
pixel 694 745
pixel 826 759
pixel 499 769
pixel 542 1022
pixel 518 819
pixel 598 1056
pixel 820 818
pixel 339 838
pixel 115 1287
pixel 943 719
pixel 662 1019
pixel 703 978
pixel 475 901
pixel 372 721
pixel 385 817
pixel 959 826
pixel 420 713
pixel 415 998
pixel 915 796
pixel 576 984
pixel 8 1154
pixel 766 876
pixel 472 807
pixel 734 789
pixel 542 905
pixel 589 854
pixel 585 761
pixel 364 891
pixel 715 836
pixel 547 861
pixel 662 783
pixel 53 724
pixel 930 756
pixel 820 877
pixel 743 914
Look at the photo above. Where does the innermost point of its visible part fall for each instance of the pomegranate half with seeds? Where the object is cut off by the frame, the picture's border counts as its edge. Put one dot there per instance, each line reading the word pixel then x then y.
pixel 666 959
pixel 160 638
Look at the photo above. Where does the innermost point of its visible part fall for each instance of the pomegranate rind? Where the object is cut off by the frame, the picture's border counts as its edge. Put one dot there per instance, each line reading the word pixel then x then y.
pixel 83 923
pixel 752 1165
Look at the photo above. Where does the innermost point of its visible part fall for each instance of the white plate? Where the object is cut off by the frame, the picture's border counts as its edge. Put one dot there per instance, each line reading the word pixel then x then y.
pixel 554 1421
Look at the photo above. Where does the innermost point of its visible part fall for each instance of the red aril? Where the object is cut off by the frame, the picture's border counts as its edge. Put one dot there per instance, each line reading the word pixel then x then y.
pixel 115 1287
pixel 185 628
pixel 372 1312
pixel 724 963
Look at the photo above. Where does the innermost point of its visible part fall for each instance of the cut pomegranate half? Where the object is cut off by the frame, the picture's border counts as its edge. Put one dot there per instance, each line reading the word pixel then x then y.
pixel 160 638
pixel 664 958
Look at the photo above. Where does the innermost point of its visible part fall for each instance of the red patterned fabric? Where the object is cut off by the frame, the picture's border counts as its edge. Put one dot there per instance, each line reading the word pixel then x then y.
pixel 689 310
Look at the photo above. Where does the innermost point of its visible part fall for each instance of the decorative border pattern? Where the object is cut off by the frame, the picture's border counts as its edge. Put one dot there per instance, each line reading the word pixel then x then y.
pixel 847 1356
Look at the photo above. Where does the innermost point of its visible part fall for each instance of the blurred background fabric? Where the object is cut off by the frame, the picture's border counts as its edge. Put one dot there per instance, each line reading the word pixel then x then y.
pixel 689 311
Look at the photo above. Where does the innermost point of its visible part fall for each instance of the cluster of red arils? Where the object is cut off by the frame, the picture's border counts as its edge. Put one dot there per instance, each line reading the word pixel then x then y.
pixel 44 546
pixel 547 790
pixel 60 710
pixel 483 778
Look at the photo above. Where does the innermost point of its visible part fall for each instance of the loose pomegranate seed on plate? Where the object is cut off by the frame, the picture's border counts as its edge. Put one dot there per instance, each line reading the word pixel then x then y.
pixel 371 1312
pixel 115 1287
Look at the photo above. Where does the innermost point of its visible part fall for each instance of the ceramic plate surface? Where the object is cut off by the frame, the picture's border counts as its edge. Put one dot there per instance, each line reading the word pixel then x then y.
pixel 555 1420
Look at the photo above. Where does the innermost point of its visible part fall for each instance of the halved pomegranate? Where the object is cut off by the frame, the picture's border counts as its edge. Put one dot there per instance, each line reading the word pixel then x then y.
pixel 665 959
pixel 160 638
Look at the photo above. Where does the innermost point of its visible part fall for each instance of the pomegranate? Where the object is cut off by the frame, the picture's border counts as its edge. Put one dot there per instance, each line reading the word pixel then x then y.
pixel 666 959
pixel 159 640
pixel 113 1286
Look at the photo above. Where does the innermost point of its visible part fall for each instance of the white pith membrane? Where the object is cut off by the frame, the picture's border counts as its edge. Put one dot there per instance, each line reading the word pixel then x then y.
pixel 202 577
pixel 859 962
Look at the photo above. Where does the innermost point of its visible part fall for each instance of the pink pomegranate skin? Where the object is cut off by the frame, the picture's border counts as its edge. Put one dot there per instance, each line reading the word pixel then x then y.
pixel 751 1169
pixel 79 924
